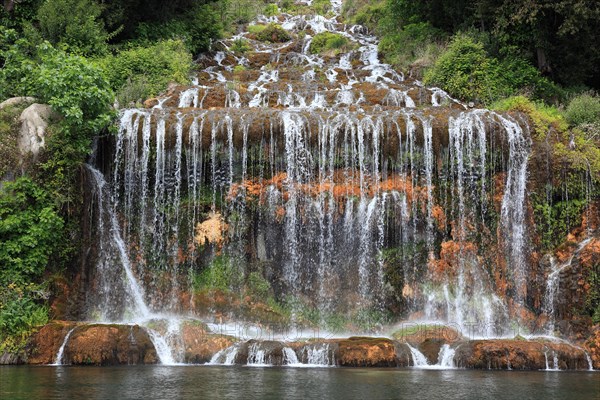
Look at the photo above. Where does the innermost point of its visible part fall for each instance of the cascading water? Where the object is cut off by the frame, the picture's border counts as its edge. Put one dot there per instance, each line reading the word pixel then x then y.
pixel 58 360
pixel 122 298
pixel 333 178
pixel 552 285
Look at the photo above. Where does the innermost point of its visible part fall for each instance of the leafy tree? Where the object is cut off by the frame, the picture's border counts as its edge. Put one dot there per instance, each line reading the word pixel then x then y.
pixel 75 24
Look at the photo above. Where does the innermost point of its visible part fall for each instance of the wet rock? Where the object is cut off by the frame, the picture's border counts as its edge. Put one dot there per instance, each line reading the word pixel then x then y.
pixel 517 354
pixel 109 345
pixel 44 344
pixel 200 345
pixel 366 352
pixel 417 333
pixel 592 344
pixel 431 349
pixel 7 358
pixel 403 355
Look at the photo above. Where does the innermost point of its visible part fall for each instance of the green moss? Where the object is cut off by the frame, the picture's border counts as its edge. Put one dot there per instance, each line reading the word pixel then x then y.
pixel 220 274
pixel 545 118
pixel 256 29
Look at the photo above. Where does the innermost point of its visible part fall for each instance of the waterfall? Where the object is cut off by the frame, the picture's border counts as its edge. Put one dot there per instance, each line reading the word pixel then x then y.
pixel 318 354
pixel 111 236
pixel 289 357
pixel 553 285
pixel 226 356
pixel 419 359
pixel 513 205
pixel 589 360
pixel 332 178
pixel 121 294
pixel 446 356
pixel 58 360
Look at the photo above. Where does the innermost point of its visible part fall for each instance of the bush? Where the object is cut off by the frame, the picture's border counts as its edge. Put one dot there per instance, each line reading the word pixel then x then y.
pixel 28 228
pixel 240 46
pixel 413 44
pixel 74 87
pixel 364 12
pixel 465 70
pixel 329 42
pixel 149 69
pixel 9 136
pixel 18 57
pixel 74 23
pixel 256 28
pixel 273 33
pixel 321 7
pixel 583 109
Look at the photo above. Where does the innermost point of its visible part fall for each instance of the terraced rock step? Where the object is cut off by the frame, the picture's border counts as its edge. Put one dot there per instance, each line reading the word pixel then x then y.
pixel 114 344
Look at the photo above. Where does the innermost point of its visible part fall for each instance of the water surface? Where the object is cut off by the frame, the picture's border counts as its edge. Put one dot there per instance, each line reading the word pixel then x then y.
pixel 202 382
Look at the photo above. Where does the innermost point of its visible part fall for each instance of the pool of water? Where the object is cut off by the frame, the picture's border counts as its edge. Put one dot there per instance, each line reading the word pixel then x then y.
pixel 203 382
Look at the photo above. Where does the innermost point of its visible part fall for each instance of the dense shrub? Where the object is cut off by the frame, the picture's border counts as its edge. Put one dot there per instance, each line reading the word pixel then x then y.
pixel 74 87
pixel 74 23
pixel 273 33
pixel 28 232
pixel 467 71
pixel 147 69
pixel 583 109
pixel 364 12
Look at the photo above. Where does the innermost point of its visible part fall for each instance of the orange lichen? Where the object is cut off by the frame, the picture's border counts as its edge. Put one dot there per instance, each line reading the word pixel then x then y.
pixel 211 230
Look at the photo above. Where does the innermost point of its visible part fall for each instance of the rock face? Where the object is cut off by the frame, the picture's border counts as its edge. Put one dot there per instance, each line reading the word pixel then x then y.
pixel 200 345
pixel 366 352
pixel 109 345
pixel 44 345
pixel 519 354
pixel 15 101
pixel 593 345
pixel 34 122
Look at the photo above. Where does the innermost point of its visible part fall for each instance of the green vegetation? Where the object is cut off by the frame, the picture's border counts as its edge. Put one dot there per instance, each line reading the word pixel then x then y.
pixel 573 160
pixel 28 227
pixel 465 70
pixel 240 46
pixel 272 33
pixel 9 117
pixel 583 110
pixel 329 43
pixel 147 69
pixel 74 25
